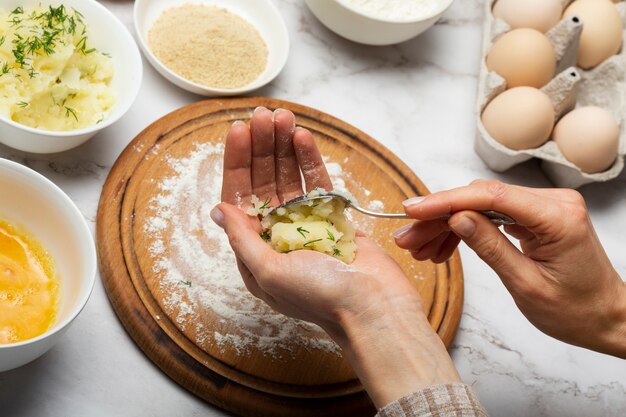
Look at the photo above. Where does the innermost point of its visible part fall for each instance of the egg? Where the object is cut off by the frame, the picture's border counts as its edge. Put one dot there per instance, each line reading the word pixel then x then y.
pixel 520 118
pixel 535 14
pixel 588 137
pixel 602 30
pixel 523 57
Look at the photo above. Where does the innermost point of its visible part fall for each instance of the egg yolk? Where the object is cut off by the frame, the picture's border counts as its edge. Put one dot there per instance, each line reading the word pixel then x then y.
pixel 29 287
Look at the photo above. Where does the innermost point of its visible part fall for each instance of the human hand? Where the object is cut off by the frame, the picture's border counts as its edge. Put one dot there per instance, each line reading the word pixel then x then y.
pixel 562 279
pixel 368 307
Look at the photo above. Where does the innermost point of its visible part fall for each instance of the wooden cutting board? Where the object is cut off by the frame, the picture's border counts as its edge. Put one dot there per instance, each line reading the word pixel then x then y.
pixel 175 288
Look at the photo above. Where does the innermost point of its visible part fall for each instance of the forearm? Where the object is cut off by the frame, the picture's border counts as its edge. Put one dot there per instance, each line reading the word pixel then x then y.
pixel 613 336
pixel 394 350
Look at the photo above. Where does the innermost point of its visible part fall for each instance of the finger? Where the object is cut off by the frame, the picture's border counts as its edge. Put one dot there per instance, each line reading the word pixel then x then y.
pixel 249 280
pixel 414 236
pixel 519 232
pixel 431 249
pixel 310 161
pixel 263 169
pixel 527 209
pixel 254 288
pixel 288 178
pixel 244 239
pixel 484 238
pixel 560 194
pixel 553 194
pixel 236 183
pixel 447 249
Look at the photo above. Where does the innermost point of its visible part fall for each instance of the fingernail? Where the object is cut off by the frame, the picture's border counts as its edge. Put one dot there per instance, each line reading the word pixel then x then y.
pixel 279 110
pixel 258 109
pixel 218 217
pixel 463 226
pixel 413 201
pixel 239 123
pixel 401 231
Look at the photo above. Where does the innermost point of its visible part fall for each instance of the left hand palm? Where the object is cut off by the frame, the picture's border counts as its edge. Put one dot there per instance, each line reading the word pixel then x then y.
pixel 266 160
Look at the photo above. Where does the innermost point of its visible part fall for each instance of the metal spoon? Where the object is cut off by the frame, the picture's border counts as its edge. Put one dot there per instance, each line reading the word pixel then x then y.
pixel 494 216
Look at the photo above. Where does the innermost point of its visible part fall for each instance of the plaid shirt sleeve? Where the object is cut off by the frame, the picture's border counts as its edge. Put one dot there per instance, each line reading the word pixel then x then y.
pixel 451 400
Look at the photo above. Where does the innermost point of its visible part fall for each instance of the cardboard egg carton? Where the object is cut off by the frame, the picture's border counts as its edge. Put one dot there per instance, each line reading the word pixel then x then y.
pixel 603 86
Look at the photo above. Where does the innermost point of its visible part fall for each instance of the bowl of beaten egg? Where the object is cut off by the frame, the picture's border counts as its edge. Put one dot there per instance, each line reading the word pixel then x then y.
pixel 68 69
pixel 47 264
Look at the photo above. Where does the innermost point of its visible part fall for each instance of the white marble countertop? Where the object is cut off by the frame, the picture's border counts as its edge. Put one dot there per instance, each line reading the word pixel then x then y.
pixel 417 98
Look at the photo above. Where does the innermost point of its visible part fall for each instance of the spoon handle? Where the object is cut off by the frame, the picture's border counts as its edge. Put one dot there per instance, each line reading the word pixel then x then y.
pixel 494 216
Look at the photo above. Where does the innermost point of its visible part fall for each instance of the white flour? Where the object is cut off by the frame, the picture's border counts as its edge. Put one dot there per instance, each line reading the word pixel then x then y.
pixel 395 9
pixel 198 271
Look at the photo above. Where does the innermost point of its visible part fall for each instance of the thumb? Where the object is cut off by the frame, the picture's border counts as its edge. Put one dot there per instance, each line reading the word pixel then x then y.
pixel 244 238
pixel 493 247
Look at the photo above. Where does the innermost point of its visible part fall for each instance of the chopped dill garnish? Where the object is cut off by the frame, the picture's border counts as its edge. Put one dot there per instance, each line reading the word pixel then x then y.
pixel 71 95
pixel 82 46
pixel 302 231
pixel 330 235
pixel 100 120
pixel 39 33
pixel 266 204
pixel 186 283
pixel 336 251
pixel 266 236
pixel 310 242
pixel 70 112
pixel 22 104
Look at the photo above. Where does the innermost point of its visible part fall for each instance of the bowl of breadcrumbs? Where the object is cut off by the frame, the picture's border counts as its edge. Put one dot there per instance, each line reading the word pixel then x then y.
pixel 213 47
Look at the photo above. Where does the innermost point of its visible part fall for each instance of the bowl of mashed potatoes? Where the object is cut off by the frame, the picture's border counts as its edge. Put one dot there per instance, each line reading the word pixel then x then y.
pixel 47 264
pixel 68 69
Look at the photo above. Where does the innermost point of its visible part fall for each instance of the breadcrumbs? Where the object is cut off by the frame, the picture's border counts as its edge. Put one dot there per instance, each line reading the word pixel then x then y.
pixel 208 45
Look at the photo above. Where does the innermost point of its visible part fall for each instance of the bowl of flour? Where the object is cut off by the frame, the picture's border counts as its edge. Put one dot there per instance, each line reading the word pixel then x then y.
pixel 378 22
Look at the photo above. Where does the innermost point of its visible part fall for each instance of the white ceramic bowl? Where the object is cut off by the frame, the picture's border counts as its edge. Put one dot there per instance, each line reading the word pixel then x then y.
pixel 107 34
pixel 31 200
pixel 367 29
pixel 262 14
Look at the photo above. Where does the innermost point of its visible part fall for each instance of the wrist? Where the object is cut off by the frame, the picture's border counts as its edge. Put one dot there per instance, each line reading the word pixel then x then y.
pixel 393 349
pixel 614 334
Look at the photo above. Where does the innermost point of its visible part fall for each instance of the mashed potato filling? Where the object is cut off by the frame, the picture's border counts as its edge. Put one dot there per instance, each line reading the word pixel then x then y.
pixel 319 225
pixel 50 77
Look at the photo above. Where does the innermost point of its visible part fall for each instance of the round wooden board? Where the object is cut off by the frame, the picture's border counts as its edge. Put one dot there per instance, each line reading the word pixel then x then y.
pixel 298 380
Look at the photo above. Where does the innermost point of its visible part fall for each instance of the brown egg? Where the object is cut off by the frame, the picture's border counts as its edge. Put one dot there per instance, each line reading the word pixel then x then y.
pixel 602 30
pixel 520 118
pixel 588 137
pixel 523 57
pixel 535 14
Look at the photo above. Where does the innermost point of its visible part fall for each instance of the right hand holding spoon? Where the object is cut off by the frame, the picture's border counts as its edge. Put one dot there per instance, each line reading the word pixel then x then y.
pixel 561 279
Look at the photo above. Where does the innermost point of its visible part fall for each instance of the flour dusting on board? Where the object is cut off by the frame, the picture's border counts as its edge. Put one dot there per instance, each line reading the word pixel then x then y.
pixel 198 271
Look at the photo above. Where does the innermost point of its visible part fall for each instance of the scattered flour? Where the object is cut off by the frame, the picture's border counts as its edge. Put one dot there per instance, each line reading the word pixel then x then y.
pixel 396 10
pixel 376 205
